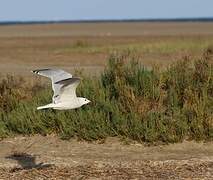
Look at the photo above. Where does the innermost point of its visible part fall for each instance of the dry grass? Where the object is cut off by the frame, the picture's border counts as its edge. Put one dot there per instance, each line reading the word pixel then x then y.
pixel 51 158
pixel 141 170
pixel 108 29
pixel 88 46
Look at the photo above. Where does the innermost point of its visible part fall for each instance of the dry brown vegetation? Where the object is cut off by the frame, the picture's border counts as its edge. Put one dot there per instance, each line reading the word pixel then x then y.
pixel 70 46
pixel 36 157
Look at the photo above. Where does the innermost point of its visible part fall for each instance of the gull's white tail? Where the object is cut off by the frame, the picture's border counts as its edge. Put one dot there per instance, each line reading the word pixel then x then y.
pixel 46 106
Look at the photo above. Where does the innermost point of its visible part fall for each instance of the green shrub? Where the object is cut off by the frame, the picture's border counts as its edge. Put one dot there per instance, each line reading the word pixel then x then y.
pixel 128 100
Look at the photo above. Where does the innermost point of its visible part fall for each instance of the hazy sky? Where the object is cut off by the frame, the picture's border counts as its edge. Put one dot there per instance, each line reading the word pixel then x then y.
pixel 102 9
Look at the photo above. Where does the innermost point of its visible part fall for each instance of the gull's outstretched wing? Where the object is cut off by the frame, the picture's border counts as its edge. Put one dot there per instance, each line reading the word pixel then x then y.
pixel 56 75
pixel 68 88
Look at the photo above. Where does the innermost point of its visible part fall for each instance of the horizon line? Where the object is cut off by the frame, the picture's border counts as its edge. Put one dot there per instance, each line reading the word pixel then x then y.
pixel 194 19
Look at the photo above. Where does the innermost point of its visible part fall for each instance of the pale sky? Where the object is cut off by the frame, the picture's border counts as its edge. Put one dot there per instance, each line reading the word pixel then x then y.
pixel 37 10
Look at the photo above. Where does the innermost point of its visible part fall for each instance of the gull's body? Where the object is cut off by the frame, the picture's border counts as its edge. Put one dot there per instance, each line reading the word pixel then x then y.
pixel 64 105
pixel 64 87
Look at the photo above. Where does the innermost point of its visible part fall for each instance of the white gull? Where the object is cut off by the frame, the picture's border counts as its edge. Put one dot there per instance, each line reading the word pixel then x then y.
pixel 64 87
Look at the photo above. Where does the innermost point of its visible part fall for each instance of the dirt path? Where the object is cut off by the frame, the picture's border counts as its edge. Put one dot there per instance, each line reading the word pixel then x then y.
pixel 51 158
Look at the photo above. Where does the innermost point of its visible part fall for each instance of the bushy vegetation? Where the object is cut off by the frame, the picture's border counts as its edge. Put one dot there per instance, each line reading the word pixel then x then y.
pixel 128 100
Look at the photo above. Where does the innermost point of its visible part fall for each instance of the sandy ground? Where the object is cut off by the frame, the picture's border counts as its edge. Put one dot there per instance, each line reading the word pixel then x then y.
pixel 39 157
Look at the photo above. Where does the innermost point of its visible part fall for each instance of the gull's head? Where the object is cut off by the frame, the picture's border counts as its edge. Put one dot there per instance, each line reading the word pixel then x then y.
pixel 84 101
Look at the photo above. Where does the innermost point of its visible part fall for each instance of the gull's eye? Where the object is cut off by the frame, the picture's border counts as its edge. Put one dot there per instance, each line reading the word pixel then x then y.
pixel 85 100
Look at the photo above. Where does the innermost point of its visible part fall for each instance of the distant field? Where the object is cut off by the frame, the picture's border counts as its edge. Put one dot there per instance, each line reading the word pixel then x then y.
pixel 108 29
pixel 88 45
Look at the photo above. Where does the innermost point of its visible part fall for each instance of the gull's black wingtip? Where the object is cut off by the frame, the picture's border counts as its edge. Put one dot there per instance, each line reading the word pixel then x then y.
pixel 36 71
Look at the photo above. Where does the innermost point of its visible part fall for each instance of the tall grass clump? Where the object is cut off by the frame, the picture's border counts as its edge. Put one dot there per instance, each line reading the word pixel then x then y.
pixel 128 100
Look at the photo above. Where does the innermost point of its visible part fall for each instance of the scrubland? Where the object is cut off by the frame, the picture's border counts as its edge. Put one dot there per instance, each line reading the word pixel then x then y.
pixel 128 101
pixel 150 84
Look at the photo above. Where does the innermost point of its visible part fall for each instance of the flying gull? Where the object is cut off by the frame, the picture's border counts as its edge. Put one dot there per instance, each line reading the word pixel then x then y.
pixel 64 87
